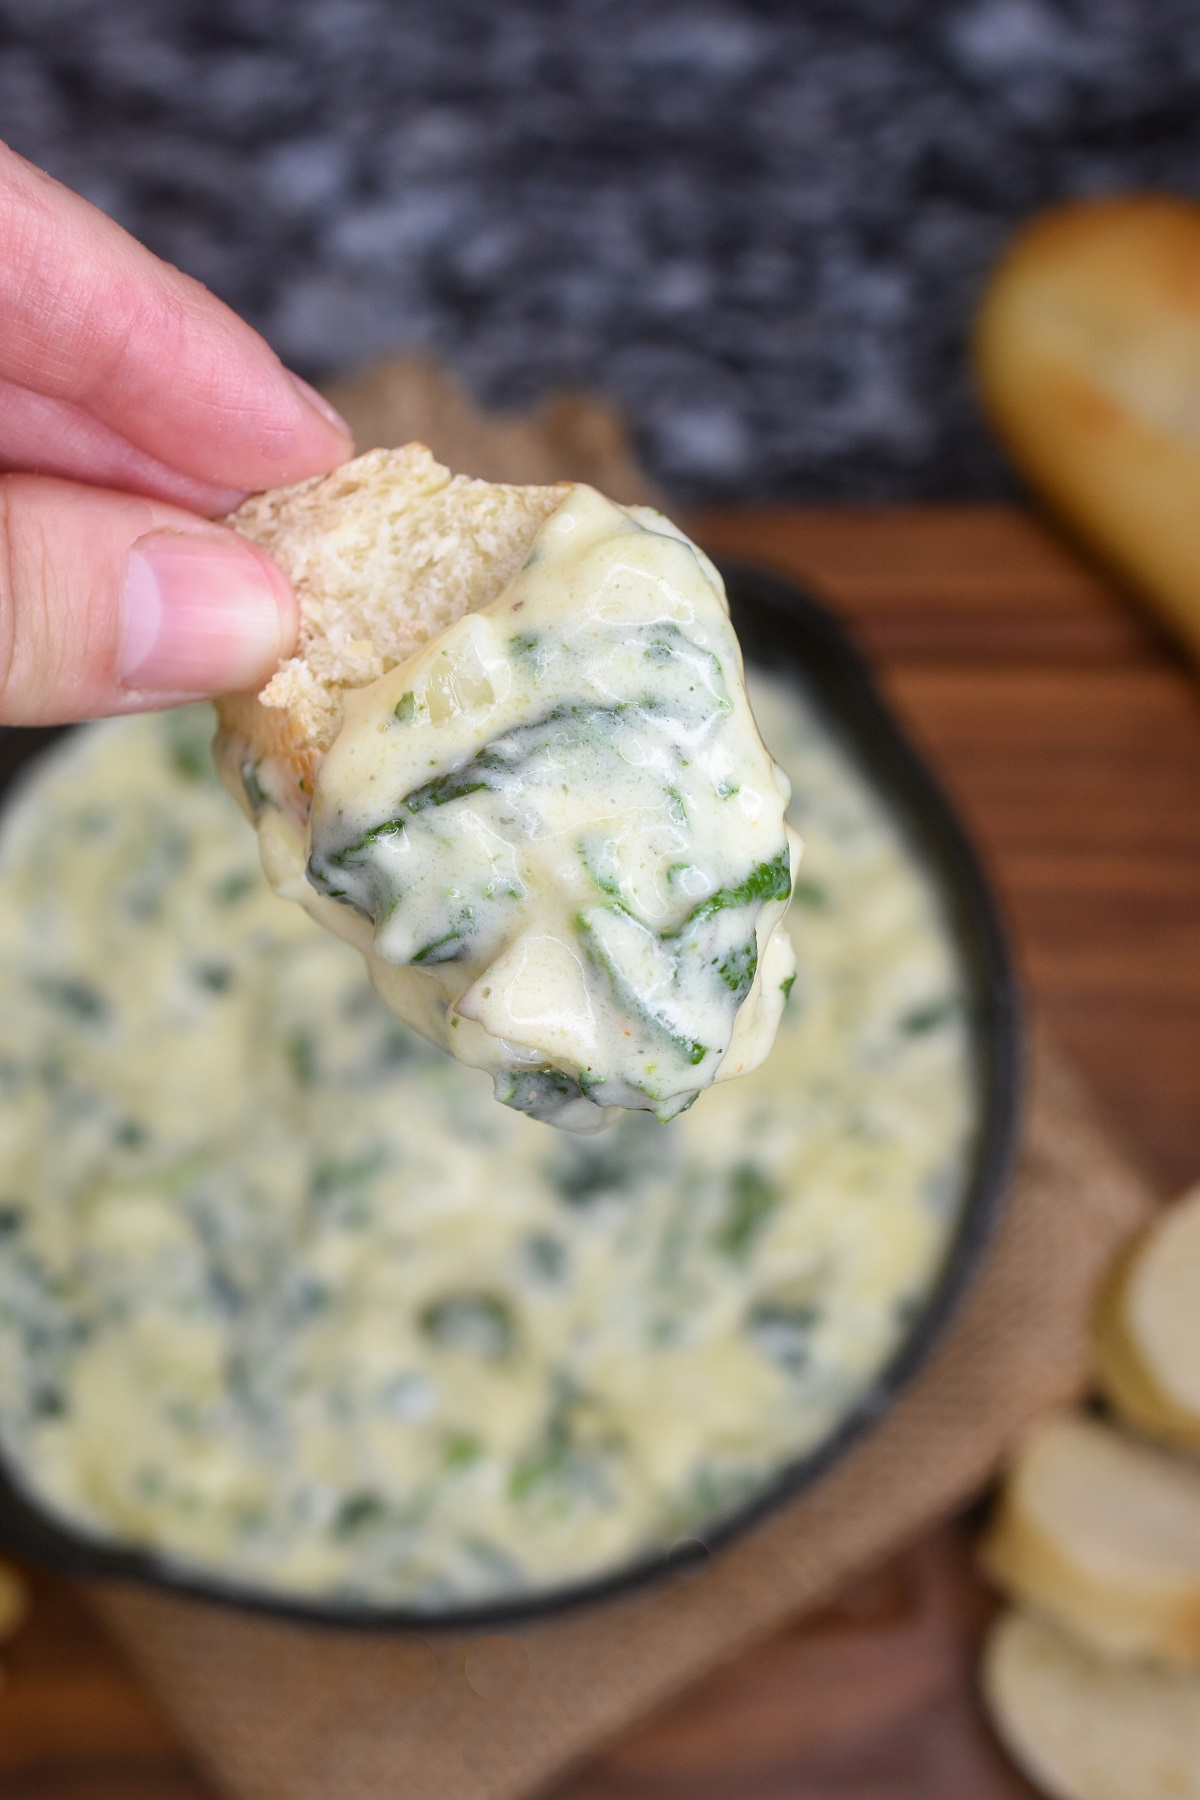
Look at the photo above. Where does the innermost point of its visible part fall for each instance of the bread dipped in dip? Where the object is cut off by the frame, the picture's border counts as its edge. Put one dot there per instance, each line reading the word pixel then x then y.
pixel 513 762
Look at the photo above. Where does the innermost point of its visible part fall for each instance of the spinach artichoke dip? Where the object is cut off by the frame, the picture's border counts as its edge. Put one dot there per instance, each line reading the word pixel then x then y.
pixel 287 1298
pixel 555 832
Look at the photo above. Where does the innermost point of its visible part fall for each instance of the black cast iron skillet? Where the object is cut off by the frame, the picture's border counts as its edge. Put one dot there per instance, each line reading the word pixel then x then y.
pixel 785 631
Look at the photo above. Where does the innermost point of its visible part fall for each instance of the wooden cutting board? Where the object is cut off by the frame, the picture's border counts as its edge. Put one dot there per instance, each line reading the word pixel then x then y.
pixel 1068 732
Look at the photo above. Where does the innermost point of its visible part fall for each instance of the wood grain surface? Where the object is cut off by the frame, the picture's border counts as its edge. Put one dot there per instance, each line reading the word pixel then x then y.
pixel 1068 731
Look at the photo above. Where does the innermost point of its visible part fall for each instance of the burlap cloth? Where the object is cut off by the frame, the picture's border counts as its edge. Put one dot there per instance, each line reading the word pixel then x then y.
pixel 277 1712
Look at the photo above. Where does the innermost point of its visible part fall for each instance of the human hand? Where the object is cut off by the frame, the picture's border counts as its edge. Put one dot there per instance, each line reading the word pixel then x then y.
pixel 137 408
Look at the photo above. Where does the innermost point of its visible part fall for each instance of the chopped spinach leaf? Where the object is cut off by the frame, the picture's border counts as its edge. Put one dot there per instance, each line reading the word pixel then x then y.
pixel 450 946
pixel 474 1323
pixel 634 1002
pixel 493 1561
pixel 358 850
pixel 461 1449
pixel 599 857
pixel 188 732
pixel 738 969
pixel 812 895
pixel 257 796
pixel 557 1474
pixel 535 1091
pixel 306 1297
pixel 567 1463
pixel 339 1176
pixel 526 645
pixel 216 977
pixel 711 1491
pixel 357 1512
pixel 75 996
pixel 224 1293
pixel 235 887
pixel 397 1046
pixel 188 760
pixel 922 1019
pixel 563 724
pixel 300 1048
pixel 665 642
pixel 768 881
pixel 753 1197
pixel 584 1169
pixel 546 1256
pixel 678 806
pixel 781 1330
pixel 548 1463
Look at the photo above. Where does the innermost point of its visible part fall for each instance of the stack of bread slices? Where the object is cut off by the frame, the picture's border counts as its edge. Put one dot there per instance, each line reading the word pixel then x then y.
pixel 1093 1676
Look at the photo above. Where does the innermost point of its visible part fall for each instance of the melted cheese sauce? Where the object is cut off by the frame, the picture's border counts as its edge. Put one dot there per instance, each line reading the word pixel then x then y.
pixel 556 834
pixel 286 1296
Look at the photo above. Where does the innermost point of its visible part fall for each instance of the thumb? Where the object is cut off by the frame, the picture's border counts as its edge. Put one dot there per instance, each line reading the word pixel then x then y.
pixel 113 604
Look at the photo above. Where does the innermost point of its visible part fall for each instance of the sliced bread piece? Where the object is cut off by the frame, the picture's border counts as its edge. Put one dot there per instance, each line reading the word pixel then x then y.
pixel 1083 1728
pixel 382 554
pixel 1102 1534
pixel 1146 1340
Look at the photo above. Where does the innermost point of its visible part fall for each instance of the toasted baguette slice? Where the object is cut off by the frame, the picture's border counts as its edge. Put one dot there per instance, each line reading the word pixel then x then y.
pixel 1087 351
pixel 1146 1339
pixel 1102 1534
pixel 1082 1728
pixel 382 554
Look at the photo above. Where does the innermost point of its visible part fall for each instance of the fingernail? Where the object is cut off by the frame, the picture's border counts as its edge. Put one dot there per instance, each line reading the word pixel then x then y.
pixel 320 405
pixel 202 615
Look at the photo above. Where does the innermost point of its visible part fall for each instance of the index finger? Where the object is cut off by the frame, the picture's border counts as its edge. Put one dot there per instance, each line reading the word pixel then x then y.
pixel 91 317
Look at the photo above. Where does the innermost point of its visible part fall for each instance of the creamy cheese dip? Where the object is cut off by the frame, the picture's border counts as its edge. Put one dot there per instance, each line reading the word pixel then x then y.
pixel 556 834
pixel 287 1297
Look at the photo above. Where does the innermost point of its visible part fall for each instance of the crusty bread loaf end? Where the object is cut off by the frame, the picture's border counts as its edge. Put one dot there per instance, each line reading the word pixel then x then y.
pixel 1087 352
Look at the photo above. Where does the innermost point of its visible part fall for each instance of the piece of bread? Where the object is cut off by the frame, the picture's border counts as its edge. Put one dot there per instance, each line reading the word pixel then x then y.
pixel 1101 1533
pixel 1083 1728
pixel 1146 1335
pixel 1087 350
pixel 384 552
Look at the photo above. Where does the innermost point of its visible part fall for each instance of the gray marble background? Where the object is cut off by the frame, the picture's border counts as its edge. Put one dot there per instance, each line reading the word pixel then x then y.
pixel 759 226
